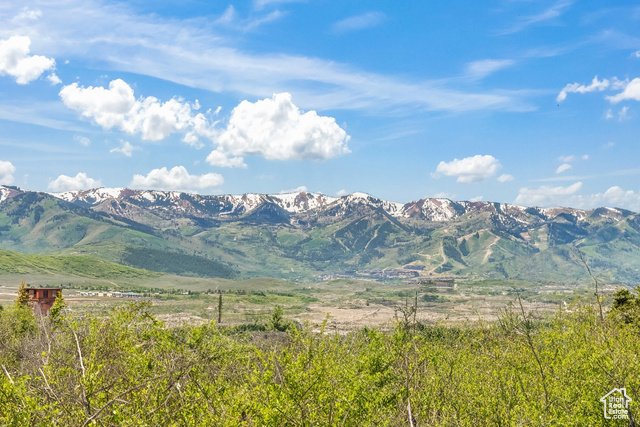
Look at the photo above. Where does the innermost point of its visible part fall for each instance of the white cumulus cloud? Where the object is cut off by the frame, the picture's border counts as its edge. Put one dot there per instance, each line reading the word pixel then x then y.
pixel 16 62
pixel 547 196
pixel 631 91
pixel 176 179
pixel 276 129
pixel 563 167
pixel 71 183
pixel 117 107
pixel 617 197
pixel 218 158
pixel 470 169
pixel 125 148
pixel 6 172
pixel 595 86
pixel 54 79
pixel 570 197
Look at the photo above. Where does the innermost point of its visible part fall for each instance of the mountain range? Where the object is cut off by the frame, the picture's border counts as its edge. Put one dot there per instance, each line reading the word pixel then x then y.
pixel 302 236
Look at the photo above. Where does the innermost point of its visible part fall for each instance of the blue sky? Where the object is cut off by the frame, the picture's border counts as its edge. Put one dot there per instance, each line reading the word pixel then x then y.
pixel 526 102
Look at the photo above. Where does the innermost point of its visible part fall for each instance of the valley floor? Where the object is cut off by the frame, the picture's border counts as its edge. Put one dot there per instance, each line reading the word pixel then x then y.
pixel 345 304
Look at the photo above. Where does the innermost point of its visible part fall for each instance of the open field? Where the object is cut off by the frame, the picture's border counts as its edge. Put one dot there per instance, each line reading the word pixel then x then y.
pixel 349 304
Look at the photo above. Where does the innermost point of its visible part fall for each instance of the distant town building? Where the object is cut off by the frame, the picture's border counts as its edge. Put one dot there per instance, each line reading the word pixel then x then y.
pixel 41 299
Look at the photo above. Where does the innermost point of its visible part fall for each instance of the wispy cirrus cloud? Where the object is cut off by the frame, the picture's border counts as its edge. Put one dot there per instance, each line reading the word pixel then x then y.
pixel 482 68
pixel 231 19
pixel 359 22
pixel 82 140
pixel 48 114
pixel 548 14
pixel 196 53
pixel 260 4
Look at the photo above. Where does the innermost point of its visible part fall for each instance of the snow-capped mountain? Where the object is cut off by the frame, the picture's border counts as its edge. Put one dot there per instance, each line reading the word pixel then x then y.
pixel 127 203
pixel 262 234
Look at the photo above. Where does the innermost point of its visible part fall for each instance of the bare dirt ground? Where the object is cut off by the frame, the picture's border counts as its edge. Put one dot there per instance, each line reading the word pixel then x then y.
pixel 348 318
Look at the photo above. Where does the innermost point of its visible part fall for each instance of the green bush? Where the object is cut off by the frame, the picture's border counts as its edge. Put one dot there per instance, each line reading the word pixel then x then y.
pixel 127 368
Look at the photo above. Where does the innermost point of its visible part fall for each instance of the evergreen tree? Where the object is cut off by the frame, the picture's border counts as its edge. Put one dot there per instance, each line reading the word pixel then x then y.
pixel 58 306
pixel 277 319
pixel 23 296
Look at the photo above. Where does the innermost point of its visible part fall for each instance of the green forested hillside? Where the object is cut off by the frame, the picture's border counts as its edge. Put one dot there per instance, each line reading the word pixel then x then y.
pixel 268 241
pixel 36 223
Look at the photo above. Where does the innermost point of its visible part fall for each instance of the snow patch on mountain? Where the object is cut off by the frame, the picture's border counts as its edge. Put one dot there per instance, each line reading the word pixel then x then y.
pixel 431 209
pixel 91 197
pixel 302 202
pixel 4 193
pixel 7 192
pixel 551 213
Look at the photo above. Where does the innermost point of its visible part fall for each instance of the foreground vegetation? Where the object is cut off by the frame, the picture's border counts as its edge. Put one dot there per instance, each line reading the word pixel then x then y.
pixel 127 368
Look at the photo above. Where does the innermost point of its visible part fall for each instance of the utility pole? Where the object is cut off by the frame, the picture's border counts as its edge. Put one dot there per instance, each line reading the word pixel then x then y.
pixel 219 307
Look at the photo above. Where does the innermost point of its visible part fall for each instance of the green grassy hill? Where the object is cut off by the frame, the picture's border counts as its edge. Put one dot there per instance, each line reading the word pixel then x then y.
pixel 76 265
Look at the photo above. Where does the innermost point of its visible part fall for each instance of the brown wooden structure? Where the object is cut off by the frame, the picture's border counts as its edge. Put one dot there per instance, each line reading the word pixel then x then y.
pixel 42 299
